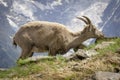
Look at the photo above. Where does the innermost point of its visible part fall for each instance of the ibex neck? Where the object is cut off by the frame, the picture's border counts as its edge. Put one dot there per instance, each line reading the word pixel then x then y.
pixel 79 38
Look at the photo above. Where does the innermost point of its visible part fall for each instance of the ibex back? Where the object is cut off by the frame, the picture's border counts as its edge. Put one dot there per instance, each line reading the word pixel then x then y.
pixel 40 36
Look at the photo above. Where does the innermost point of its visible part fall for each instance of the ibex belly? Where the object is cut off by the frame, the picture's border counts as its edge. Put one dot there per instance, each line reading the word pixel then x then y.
pixel 39 49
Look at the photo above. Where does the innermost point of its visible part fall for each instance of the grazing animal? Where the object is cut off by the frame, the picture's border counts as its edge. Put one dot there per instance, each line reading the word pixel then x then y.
pixel 41 36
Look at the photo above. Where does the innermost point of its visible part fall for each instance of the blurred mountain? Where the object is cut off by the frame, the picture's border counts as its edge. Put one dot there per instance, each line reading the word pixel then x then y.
pixel 111 19
pixel 7 52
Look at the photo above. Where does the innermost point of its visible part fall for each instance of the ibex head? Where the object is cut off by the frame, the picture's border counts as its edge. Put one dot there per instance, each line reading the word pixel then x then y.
pixel 90 29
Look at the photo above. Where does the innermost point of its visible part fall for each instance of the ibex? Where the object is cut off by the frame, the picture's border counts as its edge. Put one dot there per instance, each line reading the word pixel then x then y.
pixel 40 36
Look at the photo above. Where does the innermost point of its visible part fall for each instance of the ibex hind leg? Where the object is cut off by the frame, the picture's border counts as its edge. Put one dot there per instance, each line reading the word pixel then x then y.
pixel 52 52
pixel 31 54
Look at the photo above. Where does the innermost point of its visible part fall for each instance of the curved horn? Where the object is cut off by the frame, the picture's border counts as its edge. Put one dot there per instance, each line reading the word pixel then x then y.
pixel 88 20
pixel 83 20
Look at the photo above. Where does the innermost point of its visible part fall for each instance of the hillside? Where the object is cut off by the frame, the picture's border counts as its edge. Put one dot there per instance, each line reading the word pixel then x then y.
pixel 60 68
pixel 104 14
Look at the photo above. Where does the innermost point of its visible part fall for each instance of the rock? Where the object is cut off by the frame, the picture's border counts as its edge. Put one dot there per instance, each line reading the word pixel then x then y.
pixel 37 58
pixel 114 60
pixel 82 54
pixel 103 45
pixel 3 69
pixel 38 75
pixel 118 51
pixel 91 53
pixel 106 76
pixel 117 69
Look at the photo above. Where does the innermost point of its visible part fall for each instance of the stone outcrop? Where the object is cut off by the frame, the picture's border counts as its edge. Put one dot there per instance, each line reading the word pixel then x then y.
pixel 82 54
pixel 105 76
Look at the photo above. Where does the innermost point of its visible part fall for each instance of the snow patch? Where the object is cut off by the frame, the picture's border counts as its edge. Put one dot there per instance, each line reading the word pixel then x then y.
pixel 48 6
pixel 14 25
pixel 94 12
pixel 4 3
pixel 25 8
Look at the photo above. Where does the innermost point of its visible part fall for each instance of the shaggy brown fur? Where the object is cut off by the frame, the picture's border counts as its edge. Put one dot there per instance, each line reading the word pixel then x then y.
pixel 40 36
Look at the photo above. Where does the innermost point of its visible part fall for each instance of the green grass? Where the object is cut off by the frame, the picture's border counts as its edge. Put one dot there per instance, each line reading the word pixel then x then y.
pixel 112 48
pixel 21 71
pixel 27 67
pixel 60 58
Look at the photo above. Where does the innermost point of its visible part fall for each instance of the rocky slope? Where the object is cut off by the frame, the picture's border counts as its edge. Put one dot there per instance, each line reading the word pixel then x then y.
pixel 106 62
